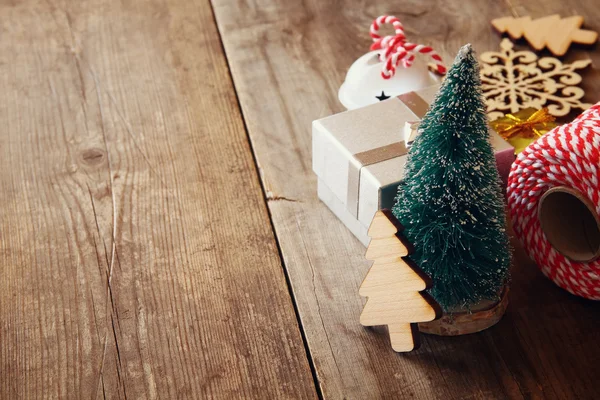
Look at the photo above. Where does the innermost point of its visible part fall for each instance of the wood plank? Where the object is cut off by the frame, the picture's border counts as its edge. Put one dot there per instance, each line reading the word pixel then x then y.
pixel 288 60
pixel 558 328
pixel 137 257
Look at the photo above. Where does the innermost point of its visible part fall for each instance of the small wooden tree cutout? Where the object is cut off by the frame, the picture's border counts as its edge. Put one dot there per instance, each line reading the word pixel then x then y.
pixel 393 286
pixel 553 32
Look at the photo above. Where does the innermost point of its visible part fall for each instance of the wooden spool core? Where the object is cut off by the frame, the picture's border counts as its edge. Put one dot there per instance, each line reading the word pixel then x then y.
pixel 570 223
pixel 459 322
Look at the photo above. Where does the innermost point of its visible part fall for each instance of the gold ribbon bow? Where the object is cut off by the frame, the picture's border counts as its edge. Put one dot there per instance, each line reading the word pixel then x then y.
pixel 524 127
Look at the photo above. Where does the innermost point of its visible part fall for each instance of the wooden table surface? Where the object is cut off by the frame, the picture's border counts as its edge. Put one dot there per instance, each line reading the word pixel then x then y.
pixel 160 233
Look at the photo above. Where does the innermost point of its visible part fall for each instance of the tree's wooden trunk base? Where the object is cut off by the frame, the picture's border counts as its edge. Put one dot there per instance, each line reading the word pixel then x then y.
pixel 486 314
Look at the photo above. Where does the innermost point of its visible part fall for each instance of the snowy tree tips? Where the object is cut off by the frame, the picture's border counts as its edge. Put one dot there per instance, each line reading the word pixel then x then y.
pixel 451 202
pixel 392 285
pixel 466 55
pixel 465 51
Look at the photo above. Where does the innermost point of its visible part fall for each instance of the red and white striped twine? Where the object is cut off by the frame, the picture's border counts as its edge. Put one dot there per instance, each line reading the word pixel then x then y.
pixel 397 49
pixel 566 156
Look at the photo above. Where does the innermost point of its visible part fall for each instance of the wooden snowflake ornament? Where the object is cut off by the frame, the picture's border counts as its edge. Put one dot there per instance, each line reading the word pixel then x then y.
pixel 514 80
pixel 392 286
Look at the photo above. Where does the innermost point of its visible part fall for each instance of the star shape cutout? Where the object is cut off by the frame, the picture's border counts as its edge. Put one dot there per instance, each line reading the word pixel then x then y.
pixel 383 96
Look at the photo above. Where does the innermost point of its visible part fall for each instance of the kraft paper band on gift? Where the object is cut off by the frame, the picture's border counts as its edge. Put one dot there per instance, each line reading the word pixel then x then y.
pixel 365 158
pixel 415 103
pixel 418 106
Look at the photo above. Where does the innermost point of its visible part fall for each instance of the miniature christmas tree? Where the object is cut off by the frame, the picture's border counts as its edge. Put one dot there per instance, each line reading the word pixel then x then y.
pixel 393 285
pixel 451 200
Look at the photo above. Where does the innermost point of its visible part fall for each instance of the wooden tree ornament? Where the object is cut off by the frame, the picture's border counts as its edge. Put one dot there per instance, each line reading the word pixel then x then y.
pixel 553 32
pixel 393 286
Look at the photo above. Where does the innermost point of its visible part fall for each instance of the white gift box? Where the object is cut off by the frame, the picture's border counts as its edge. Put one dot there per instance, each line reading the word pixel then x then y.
pixel 359 157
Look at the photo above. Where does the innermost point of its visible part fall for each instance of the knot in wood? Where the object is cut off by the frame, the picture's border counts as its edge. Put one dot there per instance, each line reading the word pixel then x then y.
pixel 93 156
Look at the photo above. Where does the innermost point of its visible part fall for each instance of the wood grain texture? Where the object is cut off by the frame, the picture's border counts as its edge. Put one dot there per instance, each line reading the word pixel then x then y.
pixel 483 315
pixel 391 277
pixel 288 60
pixel 392 286
pixel 137 259
pixel 385 249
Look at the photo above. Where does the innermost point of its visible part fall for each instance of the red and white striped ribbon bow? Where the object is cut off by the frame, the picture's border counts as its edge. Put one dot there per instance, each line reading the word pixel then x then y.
pixel 396 49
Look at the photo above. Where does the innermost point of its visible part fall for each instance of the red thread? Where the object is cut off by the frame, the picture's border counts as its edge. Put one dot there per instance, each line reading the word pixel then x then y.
pixel 568 155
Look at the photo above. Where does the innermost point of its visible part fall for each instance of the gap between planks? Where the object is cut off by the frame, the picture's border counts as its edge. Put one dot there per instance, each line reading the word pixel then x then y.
pixel 267 197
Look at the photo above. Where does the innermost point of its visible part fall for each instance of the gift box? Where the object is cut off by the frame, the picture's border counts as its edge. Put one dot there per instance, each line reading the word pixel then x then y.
pixel 359 156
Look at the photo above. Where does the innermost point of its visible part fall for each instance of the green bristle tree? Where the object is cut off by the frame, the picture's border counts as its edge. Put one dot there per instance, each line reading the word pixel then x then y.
pixel 451 201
